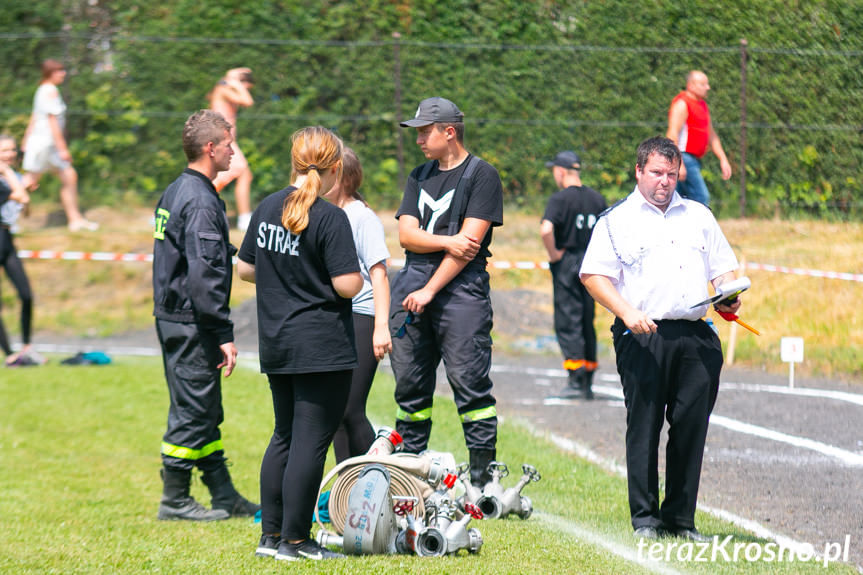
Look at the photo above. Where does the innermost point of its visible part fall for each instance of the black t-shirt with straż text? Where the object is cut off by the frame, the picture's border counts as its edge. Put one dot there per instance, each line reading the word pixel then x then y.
pixel 304 326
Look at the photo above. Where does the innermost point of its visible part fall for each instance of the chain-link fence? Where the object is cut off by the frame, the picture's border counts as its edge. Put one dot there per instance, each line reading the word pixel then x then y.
pixel 788 119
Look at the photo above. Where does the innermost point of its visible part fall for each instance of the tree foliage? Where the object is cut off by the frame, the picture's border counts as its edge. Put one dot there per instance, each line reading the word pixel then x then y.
pixel 531 77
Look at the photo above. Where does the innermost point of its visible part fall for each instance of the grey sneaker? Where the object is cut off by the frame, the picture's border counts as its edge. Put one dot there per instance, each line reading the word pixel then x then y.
pixel 190 510
pixel 268 546
pixel 308 549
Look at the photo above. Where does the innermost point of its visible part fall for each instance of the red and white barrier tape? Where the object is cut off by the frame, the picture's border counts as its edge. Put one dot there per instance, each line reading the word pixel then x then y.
pixel 805 272
pixel 399 262
pixel 88 256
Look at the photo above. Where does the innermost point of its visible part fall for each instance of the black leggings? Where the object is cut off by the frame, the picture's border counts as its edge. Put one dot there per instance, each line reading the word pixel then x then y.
pixel 10 262
pixel 356 434
pixel 308 408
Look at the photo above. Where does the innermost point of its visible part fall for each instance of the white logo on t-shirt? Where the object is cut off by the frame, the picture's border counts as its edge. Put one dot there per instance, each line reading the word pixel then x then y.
pixel 278 239
pixel 579 221
pixel 437 207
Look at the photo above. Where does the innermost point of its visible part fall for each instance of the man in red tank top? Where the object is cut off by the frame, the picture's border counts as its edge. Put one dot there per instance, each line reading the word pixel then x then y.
pixel 689 126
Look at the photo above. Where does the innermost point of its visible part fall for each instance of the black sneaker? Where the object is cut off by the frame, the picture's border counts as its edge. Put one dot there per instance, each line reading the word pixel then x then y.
pixel 308 549
pixel 268 546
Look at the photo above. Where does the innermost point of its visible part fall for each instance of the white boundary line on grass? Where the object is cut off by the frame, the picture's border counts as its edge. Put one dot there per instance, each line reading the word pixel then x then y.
pixel 599 540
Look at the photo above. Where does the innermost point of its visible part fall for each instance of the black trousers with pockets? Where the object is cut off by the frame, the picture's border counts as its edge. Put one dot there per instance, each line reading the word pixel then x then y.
pixel 190 357
pixel 456 328
pixel 672 374
pixel 574 310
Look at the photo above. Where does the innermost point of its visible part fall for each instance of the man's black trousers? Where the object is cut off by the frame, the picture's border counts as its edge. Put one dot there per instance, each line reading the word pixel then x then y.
pixel 573 310
pixel 455 327
pixel 671 374
pixel 190 357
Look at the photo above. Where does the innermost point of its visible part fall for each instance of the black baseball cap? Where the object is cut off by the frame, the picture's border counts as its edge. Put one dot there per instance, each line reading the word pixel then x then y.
pixel 434 111
pixel 566 159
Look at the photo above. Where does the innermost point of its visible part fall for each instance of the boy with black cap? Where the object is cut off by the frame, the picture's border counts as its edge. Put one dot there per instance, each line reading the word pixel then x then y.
pixel 441 307
pixel 565 229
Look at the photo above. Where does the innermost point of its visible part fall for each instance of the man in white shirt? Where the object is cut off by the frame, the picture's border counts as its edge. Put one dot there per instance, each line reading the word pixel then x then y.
pixel 648 262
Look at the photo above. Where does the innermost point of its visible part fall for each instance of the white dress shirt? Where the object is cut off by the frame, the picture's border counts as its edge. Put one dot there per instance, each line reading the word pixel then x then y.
pixel 660 262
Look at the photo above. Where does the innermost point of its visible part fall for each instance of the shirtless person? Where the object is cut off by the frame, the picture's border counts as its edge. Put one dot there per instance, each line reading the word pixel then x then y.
pixel 230 94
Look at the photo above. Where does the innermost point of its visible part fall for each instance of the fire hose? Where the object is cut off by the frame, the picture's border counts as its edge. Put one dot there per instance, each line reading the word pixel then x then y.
pixel 383 502
pixel 411 477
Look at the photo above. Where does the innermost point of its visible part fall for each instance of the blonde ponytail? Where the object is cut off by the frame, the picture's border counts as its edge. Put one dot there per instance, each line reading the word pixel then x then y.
pixel 314 149
pixel 295 214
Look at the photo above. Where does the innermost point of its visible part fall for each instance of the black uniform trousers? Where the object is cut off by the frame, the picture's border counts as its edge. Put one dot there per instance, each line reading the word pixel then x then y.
pixel 190 357
pixel 574 309
pixel 673 373
pixel 455 327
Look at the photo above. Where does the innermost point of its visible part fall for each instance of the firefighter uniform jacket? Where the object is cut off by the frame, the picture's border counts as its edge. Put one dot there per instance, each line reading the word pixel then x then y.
pixel 192 253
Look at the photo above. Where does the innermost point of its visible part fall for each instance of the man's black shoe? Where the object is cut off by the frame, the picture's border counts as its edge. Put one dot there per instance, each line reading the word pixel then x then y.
pixel 690 533
pixel 647 532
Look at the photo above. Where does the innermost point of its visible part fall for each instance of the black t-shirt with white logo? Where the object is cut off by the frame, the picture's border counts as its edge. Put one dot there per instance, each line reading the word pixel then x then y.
pixel 429 201
pixel 304 326
pixel 573 211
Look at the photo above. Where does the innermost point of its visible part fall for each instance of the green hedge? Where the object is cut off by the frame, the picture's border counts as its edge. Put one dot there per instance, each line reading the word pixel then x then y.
pixel 532 78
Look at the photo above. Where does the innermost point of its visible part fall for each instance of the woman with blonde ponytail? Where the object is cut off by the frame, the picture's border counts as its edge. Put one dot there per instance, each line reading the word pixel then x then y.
pixel 315 151
pixel 300 254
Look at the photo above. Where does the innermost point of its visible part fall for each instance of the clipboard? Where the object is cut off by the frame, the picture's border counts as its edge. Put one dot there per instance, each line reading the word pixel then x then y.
pixel 727 291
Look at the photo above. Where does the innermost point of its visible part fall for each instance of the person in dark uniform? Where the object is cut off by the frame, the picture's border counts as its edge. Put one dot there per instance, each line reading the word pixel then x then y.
pixel 299 251
pixel 441 307
pixel 13 199
pixel 192 274
pixel 649 261
pixel 565 230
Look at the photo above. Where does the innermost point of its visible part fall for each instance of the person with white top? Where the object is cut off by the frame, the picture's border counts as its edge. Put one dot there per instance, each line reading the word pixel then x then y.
pixel 648 262
pixel 370 307
pixel 45 148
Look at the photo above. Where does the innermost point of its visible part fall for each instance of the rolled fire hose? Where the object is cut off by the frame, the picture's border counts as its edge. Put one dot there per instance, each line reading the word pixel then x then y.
pixel 407 473
pixel 370 527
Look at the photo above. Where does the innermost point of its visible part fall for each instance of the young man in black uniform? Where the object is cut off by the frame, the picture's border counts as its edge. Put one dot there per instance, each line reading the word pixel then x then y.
pixel 441 307
pixel 565 229
pixel 192 272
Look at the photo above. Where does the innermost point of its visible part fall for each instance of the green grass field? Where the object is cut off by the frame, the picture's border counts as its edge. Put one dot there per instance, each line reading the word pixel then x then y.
pixel 79 489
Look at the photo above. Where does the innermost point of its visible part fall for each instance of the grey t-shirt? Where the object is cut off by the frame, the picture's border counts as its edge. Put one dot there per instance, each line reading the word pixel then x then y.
pixel 371 245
